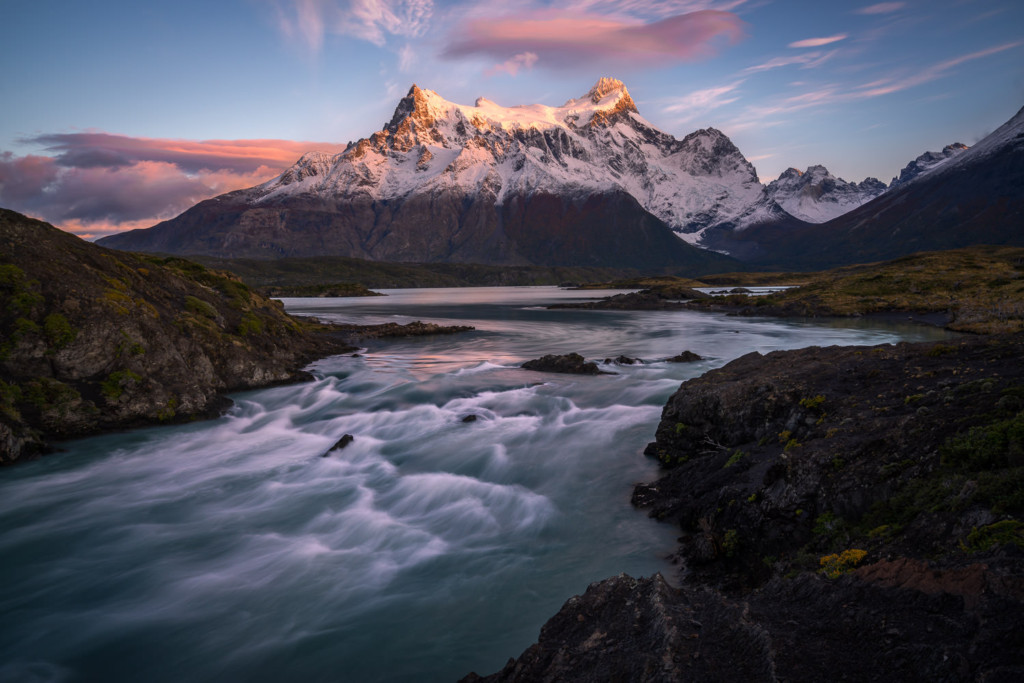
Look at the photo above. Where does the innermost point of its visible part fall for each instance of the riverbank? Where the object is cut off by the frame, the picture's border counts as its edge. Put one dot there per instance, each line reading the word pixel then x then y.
pixel 846 512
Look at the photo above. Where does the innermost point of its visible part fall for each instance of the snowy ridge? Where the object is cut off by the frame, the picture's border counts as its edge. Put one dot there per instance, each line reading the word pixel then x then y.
pixel 926 163
pixel 592 144
pixel 816 196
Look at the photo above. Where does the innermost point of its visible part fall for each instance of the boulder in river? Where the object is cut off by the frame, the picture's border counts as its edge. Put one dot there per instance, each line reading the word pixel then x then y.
pixel 570 363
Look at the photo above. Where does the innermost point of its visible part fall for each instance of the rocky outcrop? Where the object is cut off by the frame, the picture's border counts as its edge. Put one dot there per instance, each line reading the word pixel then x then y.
pixel 666 298
pixel 92 339
pixel 847 512
pixel 569 363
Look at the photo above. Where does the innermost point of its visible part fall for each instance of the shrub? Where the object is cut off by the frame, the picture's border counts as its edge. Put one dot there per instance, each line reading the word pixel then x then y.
pixel 834 566
pixel 58 330
pixel 734 458
pixel 1006 532
pixel 115 384
pixel 200 307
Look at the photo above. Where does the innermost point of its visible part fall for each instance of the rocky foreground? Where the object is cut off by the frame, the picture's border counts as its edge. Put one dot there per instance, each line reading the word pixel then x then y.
pixel 92 339
pixel 847 513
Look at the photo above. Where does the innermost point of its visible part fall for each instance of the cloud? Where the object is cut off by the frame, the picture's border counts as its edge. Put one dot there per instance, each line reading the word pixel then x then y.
pixel 114 180
pixel 936 71
pixel 309 21
pixel 560 38
pixel 105 150
pixel 699 102
pixel 832 94
pixel 882 8
pixel 807 60
pixel 512 66
pixel 818 42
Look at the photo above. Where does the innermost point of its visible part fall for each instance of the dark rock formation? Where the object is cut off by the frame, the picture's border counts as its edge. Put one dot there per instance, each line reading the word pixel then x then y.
pixel 684 357
pixel 471 418
pixel 623 360
pixel 669 298
pixel 847 513
pixel 571 363
pixel 93 339
pixel 341 443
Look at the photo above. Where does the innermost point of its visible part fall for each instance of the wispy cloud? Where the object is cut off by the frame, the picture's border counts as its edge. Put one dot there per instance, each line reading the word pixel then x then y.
pixel 560 38
pixel 699 102
pixel 882 8
pixel 511 67
pixel 818 42
pixel 806 60
pixel 833 93
pixel 99 179
pixel 309 21
pixel 936 71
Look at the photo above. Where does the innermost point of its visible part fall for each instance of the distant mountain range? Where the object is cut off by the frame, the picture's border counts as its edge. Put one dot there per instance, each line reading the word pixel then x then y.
pixel 953 199
pixel 590 183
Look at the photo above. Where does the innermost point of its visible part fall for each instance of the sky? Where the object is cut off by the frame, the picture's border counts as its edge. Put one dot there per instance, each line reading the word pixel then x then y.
pixel 120 114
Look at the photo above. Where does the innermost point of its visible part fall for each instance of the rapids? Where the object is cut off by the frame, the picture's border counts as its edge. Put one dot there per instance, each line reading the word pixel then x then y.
pixel 231 550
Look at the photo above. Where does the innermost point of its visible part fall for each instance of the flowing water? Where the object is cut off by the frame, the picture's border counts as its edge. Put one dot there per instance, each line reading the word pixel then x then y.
pixel 230 550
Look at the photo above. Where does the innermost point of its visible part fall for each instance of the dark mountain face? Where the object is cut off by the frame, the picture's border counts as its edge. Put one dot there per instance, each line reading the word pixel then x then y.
pixel 976 197
pixel 539 229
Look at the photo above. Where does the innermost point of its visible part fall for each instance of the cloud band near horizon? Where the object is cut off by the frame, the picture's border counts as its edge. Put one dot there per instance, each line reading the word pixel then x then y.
pixel 99 183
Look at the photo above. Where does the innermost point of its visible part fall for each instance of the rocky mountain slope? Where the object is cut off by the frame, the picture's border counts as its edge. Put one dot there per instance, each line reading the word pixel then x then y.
pixel 847 513
pixel 927 162
pixel 973 196
pixel 92 339
pixel 590 183
pixel 816 196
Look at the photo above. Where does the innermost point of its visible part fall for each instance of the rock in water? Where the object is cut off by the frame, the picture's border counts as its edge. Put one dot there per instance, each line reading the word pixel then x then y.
pixel 342 442
pixel 570 363
pixel 684 357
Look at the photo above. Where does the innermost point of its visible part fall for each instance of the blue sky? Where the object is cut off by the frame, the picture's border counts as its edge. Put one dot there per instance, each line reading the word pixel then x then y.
pixel 121 114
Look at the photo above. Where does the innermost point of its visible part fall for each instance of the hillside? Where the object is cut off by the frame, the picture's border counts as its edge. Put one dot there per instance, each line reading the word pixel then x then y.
pixel 94 339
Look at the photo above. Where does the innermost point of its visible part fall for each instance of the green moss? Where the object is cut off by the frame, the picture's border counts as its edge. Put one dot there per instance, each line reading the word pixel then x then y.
pixel 10 396
pixel 730 543
pixel 996 445
pixel 24 302
pixel 59 331
pixel 169 410
pixel 250 325
pixel 116 383
pixel 813 403
pixel 1006 532
pixel 734 458
pixel 200 307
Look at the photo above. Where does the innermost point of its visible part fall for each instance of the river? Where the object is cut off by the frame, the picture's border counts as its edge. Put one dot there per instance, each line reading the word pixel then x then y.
pixel 231 550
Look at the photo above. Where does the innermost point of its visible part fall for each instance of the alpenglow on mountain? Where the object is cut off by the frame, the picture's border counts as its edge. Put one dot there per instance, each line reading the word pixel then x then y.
pixel 588 183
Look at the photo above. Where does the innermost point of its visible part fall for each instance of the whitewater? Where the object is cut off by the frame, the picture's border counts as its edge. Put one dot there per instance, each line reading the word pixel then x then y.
pixel 431 546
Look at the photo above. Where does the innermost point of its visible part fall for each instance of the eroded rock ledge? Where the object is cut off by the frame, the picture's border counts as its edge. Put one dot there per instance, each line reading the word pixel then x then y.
pixel 848 513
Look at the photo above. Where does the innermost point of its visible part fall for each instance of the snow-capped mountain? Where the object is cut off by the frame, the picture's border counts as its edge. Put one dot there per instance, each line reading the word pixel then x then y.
pixel 816 196
pixel 971 196
pixel 447 159
pixel 595 143
pixel 926 163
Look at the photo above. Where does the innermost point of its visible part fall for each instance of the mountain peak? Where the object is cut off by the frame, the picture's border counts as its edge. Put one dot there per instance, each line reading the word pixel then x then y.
pixel 606 86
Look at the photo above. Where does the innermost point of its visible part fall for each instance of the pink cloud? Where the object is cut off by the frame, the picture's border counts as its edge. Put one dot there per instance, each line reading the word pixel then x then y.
pixel 818 42
pixel 98 181
pixel 512 66
pixel 882 8
pixel 564 38
pixel 89 150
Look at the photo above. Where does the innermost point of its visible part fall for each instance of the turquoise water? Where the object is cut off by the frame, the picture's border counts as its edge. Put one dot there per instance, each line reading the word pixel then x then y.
pixel 231 550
